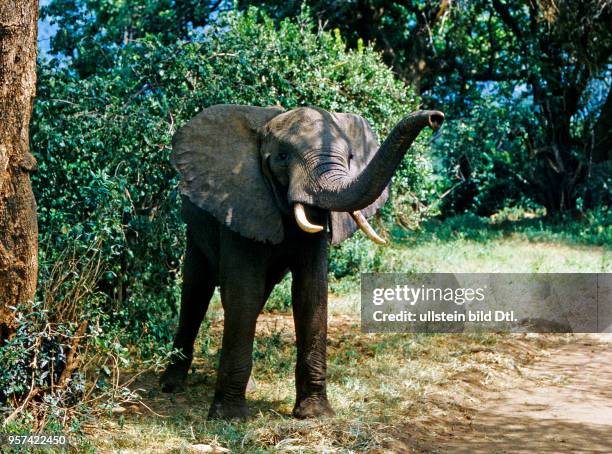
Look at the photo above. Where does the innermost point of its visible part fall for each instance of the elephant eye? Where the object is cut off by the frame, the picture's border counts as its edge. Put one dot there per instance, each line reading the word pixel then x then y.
pixel 282 155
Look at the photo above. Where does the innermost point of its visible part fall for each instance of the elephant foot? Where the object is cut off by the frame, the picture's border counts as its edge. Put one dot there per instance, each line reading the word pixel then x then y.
pixel 174 377
pixel 221 410
pixel 313 407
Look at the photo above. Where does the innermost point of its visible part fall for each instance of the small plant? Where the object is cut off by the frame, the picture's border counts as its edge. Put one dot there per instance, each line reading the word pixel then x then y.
pixel 354 256
pixel 62 362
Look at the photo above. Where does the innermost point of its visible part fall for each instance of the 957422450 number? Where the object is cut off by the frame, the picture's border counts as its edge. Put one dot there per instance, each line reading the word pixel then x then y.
pixel 33 440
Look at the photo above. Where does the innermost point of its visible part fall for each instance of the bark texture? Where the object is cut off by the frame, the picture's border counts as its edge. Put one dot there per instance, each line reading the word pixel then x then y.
pixel 18 223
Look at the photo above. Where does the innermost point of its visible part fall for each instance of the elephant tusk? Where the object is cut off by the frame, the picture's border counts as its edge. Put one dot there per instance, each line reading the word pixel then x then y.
pixel 302 220
pixel 365 226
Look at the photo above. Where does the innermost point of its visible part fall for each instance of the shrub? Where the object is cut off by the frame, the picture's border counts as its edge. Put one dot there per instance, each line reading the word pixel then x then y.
pixel 64 357
pixel 354 256
pixel 482 159
pixel 280 298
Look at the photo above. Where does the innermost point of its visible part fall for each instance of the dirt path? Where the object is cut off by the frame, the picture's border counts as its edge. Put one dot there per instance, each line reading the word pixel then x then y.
pixel 560 403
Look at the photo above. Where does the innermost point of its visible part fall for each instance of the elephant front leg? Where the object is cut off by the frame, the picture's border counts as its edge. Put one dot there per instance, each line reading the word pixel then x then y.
pixel 242 298
pixel 309 296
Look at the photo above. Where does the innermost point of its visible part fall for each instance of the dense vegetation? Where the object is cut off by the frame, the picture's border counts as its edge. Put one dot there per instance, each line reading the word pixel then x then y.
pixel 525 88
pixel 526 85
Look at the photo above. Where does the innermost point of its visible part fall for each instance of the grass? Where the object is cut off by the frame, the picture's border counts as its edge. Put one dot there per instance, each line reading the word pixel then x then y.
pixel 384 388
pixel 470 244
pixel 378 383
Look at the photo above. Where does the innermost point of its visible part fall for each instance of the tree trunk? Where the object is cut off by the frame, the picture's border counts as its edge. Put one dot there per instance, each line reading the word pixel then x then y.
pixel 18 224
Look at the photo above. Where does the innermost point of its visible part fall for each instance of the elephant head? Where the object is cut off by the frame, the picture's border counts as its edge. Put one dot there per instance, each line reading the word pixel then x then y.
pixel 251 166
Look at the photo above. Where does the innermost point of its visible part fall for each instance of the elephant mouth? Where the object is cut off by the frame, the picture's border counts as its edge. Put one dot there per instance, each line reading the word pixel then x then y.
pixel 307 226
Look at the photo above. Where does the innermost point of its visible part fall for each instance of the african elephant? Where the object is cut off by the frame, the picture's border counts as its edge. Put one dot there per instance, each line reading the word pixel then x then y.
pixel 263 191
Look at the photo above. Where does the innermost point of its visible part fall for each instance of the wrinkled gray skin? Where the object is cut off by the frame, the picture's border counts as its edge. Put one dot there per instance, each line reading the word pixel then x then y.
pixel 243 169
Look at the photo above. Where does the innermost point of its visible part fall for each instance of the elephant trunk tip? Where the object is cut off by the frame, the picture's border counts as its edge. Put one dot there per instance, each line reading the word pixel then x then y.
pixel 436 118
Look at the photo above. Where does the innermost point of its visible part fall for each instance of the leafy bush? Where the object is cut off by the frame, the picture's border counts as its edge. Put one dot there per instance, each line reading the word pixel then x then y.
pixel 64 357
pixel 280 298
pixel 482 159
pixel 353 257
pixel 103 142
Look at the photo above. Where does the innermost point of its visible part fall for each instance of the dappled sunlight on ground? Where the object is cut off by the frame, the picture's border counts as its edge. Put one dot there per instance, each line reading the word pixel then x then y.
pixel 561 403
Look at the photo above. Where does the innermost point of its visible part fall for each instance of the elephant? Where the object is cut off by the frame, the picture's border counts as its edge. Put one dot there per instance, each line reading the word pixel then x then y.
pixel 263 192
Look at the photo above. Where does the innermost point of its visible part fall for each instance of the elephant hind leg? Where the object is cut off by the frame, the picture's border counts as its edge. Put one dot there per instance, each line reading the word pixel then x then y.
pixel 197 290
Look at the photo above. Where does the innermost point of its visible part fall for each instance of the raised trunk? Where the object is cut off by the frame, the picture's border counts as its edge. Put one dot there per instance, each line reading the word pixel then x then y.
pixel 359 192
pixel 18 226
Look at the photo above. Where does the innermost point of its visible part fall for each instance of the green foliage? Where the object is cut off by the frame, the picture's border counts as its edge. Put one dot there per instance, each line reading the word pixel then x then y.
pixel 414 189
pixel 482 160
pixel 546 66
pixel 37 376
pixel 90 30
pixel 593 228
pixel 62 363
pixel 103 142
pixel 401 30
pixel 354 256
pixel 32 345
pixel 280 298
pixel 272 355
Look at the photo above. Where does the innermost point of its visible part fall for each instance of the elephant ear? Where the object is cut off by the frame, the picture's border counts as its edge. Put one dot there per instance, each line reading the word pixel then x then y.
pixel 364 145
pixel 216 154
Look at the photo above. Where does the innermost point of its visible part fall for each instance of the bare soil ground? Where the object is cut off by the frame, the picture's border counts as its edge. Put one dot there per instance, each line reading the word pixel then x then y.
pixel 562 402
pixel 398 393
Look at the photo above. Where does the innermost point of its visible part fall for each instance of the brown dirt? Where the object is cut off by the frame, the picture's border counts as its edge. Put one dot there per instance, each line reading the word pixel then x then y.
pixel 562 402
